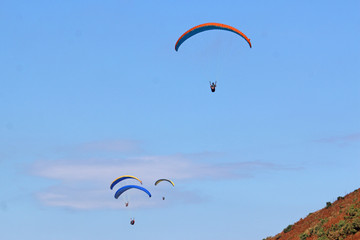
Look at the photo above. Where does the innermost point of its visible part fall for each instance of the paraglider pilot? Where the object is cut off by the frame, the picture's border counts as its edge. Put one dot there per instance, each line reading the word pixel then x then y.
pixel 212 86
pixel 126 204
pixel 132 221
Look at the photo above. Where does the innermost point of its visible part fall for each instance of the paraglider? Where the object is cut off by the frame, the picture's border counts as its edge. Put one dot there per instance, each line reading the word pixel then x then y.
pixel 206 27
pixel 213 86
pixel 132 221
pixel 162 180
pixel 123 189
pixel 121 178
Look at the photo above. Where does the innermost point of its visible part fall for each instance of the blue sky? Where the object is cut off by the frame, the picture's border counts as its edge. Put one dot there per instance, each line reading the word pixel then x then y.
pixel 91 90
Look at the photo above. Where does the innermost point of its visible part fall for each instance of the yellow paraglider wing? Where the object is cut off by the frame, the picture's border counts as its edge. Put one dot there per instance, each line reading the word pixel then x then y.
pixel 167 180
pixel 119 179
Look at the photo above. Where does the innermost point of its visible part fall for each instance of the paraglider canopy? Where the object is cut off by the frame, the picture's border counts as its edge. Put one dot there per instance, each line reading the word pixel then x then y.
pixel 127 187
pixel 121 178
pixel 167 180
pixel 209 26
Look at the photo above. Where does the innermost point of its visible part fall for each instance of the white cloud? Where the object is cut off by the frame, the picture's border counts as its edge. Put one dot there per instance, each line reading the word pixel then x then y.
pixel 342 140
pixel 85 185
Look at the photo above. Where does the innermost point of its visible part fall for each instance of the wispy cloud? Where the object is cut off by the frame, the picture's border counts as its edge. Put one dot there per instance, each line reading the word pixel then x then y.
pixel 149 167
pixel 84 185
pixel 3 205
pixel 341 140
pixel 75 197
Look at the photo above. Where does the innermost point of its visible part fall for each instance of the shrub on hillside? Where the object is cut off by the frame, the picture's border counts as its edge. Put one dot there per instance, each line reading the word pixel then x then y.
pixel 304 236
pixel 288 228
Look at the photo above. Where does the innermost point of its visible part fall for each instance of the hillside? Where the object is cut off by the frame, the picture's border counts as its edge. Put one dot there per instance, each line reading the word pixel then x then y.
pixel 339 220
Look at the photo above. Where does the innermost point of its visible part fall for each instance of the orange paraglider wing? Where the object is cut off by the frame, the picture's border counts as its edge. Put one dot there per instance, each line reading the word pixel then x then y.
pixel 208 26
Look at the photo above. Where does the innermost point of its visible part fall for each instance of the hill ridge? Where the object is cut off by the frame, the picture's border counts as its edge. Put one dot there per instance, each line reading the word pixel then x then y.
pixel 339 220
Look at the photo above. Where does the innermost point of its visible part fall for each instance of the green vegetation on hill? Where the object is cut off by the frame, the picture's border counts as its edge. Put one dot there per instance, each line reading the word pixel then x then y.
pixel 339 231
pixel 336 221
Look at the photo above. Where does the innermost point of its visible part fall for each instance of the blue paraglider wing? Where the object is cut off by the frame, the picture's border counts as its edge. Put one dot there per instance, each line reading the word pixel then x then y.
pixel 127 187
